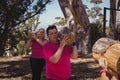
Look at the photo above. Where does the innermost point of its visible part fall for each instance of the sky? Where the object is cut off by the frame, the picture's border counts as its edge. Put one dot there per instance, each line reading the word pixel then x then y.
pixel 53 10
pixel 48 17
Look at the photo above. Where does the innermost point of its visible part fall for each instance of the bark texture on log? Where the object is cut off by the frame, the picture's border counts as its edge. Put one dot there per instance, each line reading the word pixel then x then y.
pixel 102 44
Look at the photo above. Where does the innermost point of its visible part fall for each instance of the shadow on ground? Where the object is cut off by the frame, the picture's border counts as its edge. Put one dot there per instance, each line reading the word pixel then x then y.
pixel 85 68
pixel 18 68
pixel 14 67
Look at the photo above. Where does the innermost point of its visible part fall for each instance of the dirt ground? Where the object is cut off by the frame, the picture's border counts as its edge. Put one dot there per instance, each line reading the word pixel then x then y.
pixel 18 68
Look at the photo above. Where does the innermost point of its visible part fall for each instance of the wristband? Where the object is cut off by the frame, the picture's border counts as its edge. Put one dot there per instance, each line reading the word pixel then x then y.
pixel 74 44
pixel 102 71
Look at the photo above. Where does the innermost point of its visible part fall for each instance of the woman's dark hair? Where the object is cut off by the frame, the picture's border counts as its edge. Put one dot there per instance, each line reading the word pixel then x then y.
pixel 51 27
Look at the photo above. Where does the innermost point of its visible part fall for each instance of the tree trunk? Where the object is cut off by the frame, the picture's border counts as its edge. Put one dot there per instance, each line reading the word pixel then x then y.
pixel 3 39
pixel 77 20
pixel 118 21
pixel 4 34
pixel 82 21
pixel 112 19
pixel 79 14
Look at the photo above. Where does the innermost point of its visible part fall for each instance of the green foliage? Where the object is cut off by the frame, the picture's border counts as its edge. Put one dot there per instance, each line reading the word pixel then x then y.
pixel 95 33
pixel 95 14
pixel 20 47
pixel 18 37
pixel 14 14
pixel 60 21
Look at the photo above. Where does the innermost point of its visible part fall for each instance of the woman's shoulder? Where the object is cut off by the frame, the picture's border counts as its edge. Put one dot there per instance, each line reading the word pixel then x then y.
pixel 47 44
pixel 45 40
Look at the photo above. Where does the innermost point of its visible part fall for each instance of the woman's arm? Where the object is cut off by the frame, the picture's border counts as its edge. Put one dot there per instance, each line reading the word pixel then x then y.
pixel 55 58
pixel 105 71
pixel 74 54
pixel 104 76
pixel 28 44
pixel 40 42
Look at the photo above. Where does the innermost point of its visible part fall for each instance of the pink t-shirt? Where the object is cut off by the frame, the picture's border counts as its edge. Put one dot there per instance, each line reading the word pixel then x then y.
pixel 37 49
pixel 60 70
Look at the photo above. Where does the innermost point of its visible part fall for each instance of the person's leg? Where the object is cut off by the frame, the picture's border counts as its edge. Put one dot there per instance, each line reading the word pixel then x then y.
pixel 41 65
pixel 35 66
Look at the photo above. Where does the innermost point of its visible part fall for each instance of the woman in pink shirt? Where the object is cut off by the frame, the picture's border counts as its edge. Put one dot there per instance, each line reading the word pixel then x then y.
pixel 37 61
pixel 57 55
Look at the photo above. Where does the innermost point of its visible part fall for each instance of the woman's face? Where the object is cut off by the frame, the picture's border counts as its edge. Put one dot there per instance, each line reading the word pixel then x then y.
pixel 41 33
pixel 53 35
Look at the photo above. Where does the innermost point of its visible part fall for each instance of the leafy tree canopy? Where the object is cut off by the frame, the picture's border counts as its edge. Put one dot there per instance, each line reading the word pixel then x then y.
pixel 15 12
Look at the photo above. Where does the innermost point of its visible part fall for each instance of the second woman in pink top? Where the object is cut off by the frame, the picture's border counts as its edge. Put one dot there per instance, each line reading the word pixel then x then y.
pixel 57 55
pixel 37 62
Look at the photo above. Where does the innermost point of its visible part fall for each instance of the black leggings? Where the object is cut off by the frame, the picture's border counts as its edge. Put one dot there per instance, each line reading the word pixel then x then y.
pixel 37 66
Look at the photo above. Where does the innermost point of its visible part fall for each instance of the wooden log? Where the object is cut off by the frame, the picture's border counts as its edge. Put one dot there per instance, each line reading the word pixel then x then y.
pixel 71 39
pixel 66 32
pixel 96 56
pixel 102 44
pixel 110 49
pixel 113 57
